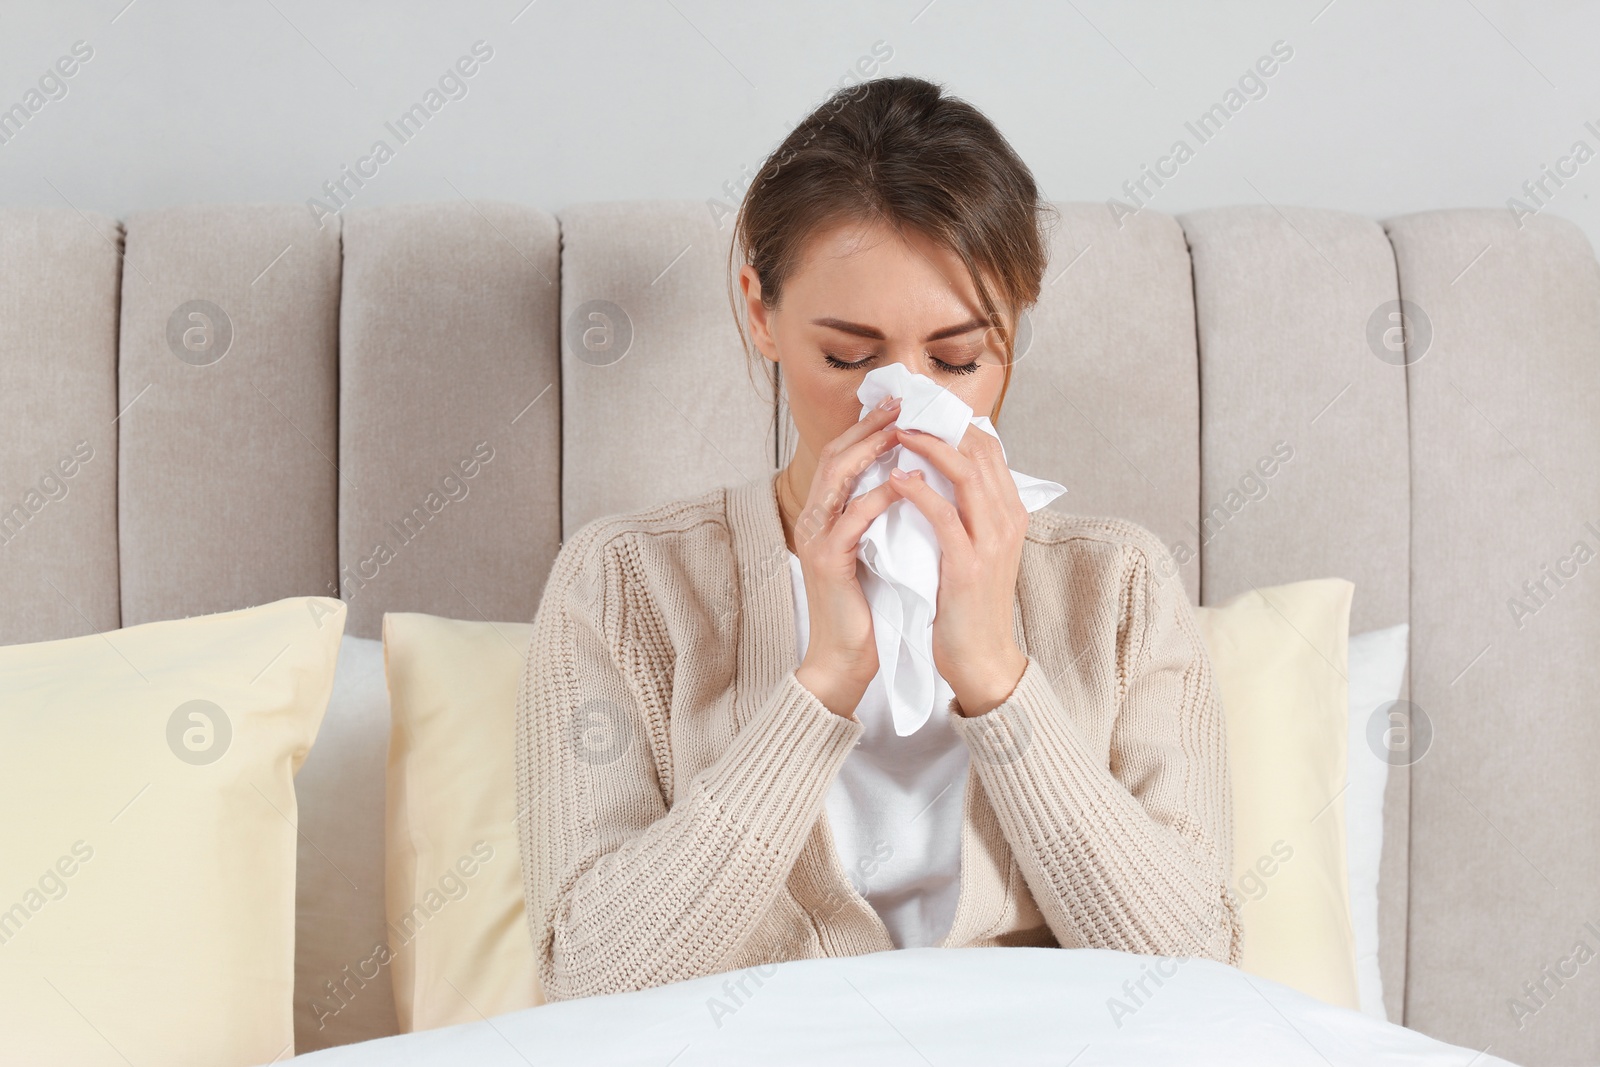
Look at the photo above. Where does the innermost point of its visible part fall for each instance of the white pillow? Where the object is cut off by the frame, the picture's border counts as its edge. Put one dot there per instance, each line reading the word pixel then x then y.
pixel 1377 665
pixel 342 988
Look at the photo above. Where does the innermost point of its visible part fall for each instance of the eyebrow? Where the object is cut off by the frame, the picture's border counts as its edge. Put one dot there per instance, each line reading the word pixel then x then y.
pixel 877 335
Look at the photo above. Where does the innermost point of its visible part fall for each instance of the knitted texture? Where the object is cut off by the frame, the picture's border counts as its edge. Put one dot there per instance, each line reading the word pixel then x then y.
pixel 671 770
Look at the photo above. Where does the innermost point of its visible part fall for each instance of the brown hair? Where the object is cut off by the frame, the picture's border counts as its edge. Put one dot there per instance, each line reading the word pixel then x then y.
pixel 898 150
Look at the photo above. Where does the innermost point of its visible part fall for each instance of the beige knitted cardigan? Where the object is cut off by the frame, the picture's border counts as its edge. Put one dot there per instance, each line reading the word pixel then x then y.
pixel 671 772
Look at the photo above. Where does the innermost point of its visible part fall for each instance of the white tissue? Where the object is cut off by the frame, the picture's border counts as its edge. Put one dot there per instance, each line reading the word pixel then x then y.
pixel 899 552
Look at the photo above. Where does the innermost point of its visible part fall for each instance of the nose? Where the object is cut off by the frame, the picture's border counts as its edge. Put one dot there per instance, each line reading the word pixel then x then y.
pixel 911 357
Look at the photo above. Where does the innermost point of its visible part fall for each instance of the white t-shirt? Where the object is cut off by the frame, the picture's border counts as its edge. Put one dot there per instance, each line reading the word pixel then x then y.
pixel 895 808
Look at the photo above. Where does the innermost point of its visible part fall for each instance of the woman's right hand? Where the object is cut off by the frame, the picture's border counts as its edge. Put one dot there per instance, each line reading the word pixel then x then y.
pixel 841 652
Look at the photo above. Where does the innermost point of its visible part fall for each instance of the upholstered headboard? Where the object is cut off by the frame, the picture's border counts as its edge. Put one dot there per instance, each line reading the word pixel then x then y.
pixel 302 435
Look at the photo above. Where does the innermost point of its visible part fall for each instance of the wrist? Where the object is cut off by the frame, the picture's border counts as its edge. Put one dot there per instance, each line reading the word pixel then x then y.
pixel 979 695
pixel 836 692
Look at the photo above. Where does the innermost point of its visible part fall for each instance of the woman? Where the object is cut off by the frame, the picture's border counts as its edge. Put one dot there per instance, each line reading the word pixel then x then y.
pixel 690 753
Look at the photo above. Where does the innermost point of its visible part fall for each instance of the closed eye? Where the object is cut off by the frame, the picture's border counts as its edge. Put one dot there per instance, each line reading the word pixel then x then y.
pixel 950 368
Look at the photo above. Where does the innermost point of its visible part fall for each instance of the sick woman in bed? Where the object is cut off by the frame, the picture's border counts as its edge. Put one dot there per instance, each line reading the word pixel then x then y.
pixel 708 773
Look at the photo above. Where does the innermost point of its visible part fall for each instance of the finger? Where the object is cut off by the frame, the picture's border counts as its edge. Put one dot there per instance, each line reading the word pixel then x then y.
pixel 941 456
pixel 981 447
pixel 844 465
pixel 839 466
pixel 860 431
pixel 941 514
pixel 858 515
pixel 1005 507
pixel 847 455
pixel 845 531
pixel 979 497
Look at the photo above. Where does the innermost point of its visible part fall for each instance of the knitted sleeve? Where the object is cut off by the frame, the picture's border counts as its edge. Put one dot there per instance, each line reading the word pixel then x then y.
pixel 1135 856
pixel 622 891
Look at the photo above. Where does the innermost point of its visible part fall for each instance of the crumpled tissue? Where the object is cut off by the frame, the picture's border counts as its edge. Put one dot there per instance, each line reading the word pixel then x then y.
pixel 899 553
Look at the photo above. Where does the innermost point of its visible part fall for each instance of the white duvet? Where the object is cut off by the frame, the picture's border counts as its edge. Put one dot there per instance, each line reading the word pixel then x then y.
pixel 1006 1006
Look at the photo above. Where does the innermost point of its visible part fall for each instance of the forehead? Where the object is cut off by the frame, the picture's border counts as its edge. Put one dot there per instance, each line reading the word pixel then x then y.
pixel 868 271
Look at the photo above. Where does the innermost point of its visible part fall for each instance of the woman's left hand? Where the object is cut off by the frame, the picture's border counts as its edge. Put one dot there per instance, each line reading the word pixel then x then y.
pixel 980 548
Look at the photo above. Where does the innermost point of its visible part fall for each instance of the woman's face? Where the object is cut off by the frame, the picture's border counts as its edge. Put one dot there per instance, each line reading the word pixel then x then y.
pixel 865 297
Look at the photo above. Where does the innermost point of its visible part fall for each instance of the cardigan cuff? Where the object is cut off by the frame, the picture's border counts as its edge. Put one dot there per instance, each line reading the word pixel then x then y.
pixel 1004 734
pixel 777 771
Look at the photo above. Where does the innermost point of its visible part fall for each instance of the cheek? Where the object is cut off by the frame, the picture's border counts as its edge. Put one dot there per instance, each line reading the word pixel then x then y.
pixel 979 396
pixel 823 403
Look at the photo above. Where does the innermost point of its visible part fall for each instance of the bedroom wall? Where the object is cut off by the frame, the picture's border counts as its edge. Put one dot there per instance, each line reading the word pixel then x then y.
pixel 1373 108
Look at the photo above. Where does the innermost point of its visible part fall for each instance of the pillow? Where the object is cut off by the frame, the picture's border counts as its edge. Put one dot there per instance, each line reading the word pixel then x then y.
pixel 341 993
pixel 458 931
pixel 147 869
pixel 1377 667
pixel 453 688
pixel 1280 657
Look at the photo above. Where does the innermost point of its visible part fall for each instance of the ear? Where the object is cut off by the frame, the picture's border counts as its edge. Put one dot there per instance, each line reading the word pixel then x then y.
pixel 756 313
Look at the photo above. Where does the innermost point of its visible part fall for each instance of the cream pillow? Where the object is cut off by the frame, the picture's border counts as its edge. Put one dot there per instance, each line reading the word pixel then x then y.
pixel 147 860
pixel 1280 658
pixel 460 944
pixel 457 927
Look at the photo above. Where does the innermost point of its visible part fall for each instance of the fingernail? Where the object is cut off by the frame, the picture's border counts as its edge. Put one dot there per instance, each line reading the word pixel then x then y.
pixel 898 475
pixel 888 403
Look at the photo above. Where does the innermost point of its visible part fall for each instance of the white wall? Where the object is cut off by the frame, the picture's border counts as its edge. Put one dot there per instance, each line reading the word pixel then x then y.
pixel 1383 108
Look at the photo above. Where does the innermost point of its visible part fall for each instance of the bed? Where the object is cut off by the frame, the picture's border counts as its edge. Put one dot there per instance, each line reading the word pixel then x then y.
pixel 1445 460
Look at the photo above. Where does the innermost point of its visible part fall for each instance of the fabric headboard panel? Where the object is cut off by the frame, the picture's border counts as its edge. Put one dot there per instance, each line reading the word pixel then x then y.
pixel 215 445
pixel 1303 435
pixel 1505 430
pixel 59 274
pixel 1284 299
pixel 450 411
pixel 658 400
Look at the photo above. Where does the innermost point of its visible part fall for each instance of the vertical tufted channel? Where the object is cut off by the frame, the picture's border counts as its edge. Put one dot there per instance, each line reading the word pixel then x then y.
pixel 1104 396
pixel 658 401
pixel 59 273
pixel 1303 443
pixel 228 397
pixel 1503 358
pixel 450 420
